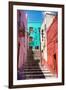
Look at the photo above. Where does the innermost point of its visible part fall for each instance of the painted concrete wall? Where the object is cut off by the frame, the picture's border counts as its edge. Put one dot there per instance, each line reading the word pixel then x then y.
pixel 35 34
pixel 52 46
pixel 49 44
pixel 49 16
pixel 49 19
pixel 22 38
pixel 43 42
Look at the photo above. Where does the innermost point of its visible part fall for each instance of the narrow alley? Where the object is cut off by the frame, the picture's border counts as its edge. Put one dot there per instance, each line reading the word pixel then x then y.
pixel 37 45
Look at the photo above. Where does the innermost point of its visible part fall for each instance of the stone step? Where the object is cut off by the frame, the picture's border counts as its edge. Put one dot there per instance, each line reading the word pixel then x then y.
pixel 35 76
pixel 36 69
pixel 47 72
pixel 33 72
pixel 32 63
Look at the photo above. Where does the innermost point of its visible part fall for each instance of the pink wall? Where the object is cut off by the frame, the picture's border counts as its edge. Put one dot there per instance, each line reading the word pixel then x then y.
pixel 22 38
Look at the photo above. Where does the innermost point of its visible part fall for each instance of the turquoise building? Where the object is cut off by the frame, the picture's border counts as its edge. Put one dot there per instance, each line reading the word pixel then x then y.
pixel 35 19
pixel 34 32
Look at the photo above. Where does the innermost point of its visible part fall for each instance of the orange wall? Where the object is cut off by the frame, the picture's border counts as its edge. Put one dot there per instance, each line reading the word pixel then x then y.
pixel 52 46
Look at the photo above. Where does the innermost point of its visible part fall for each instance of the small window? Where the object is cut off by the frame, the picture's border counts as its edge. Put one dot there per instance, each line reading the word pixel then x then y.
pixel 37 47
pixel 55 56
pixel 39 29
pixel 30 29
pixel 45 26
pixel 30 47
pixel 30 39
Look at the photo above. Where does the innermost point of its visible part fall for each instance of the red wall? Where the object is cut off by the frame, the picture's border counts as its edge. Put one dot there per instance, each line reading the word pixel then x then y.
pixel 52 46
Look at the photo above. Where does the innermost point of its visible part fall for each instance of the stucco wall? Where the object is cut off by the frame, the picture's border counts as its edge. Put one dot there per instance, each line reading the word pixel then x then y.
pixel 52 46
pixel 22 38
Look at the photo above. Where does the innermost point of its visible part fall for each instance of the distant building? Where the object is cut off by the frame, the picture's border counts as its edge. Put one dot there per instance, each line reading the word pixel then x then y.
pixel 34 38
pixel 34 34
pixel 35 19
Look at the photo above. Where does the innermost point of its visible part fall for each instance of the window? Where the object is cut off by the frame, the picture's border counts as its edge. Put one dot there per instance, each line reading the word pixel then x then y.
pixel 37 47
pixel 30 39
pixel 55 56
pixel 30 29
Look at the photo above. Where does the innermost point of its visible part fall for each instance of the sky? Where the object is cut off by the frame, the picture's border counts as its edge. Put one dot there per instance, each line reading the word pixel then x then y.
pixel 35 16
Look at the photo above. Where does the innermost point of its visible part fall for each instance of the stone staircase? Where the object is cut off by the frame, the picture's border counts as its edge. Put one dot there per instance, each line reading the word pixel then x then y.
pixel 31 69
pixel 47 73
